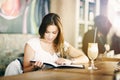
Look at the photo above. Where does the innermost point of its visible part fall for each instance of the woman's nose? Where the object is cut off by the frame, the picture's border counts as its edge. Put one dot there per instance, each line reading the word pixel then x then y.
pixel 50 36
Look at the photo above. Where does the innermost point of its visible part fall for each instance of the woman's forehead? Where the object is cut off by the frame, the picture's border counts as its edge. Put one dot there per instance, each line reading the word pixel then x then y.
pixel 52 28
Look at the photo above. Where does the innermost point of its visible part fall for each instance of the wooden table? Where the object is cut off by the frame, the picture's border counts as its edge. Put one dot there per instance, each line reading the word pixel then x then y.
pixel 110 59
pixel 104 58
pixel 105 72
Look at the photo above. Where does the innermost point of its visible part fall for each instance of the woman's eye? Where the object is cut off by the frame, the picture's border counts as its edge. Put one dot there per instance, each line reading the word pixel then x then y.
pixel 55 32
pixel 51 32
pixel 46 32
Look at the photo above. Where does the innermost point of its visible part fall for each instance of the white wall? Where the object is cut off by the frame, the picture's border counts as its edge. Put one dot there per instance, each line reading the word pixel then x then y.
pixel 66 10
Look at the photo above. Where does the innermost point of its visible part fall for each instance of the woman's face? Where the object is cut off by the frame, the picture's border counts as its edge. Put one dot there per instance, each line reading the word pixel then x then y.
pixel 51 33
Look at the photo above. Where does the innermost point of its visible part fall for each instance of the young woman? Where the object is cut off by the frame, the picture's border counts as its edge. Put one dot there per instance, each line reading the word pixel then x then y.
pixel 50 46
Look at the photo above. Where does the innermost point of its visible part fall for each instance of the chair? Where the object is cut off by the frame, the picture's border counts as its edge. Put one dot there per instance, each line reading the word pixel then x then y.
pixel 15 67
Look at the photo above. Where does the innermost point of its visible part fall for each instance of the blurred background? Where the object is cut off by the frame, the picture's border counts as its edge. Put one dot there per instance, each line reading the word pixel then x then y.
pixel 24 16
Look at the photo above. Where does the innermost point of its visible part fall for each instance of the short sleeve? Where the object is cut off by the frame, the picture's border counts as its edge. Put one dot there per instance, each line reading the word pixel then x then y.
pixel 34 43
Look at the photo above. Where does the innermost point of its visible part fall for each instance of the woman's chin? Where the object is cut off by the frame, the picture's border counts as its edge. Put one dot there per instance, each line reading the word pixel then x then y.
pixel 49 41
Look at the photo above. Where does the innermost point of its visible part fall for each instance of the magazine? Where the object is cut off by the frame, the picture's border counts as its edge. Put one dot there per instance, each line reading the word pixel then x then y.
pixel 54 65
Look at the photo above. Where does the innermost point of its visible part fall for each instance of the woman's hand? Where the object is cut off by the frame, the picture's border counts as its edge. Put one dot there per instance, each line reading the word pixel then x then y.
pixel 37 64
pixel 62 61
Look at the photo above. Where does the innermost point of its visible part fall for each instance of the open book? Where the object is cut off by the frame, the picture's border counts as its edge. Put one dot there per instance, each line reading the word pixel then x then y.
pixel 54 65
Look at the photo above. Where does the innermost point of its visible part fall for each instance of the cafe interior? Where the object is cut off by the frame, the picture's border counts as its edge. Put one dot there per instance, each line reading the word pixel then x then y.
pixel 20 21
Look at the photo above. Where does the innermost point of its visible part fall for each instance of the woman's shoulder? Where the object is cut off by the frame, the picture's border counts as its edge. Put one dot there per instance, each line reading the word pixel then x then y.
pixel 66 43
pixel 34 39
pixel 34 43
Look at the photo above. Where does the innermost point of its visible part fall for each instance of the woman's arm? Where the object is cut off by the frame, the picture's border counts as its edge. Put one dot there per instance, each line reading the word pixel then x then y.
pixel 77 55
pixel 29 55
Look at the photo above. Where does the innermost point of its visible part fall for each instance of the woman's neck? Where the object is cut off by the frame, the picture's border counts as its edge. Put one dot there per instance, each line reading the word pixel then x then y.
pixel 46 42
pixel 49 47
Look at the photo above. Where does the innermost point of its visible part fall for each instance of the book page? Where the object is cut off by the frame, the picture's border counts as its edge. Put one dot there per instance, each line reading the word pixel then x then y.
pixel 64 66
pixel 54 65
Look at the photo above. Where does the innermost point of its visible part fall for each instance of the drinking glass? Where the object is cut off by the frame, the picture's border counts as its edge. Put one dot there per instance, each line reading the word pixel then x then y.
pixel 92 54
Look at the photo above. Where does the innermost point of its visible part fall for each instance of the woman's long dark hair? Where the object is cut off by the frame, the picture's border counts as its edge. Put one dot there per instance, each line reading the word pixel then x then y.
pixel 53 19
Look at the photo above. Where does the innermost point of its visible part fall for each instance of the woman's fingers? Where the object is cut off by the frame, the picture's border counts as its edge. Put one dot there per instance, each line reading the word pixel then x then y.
pixel 60 61
pixel 38 64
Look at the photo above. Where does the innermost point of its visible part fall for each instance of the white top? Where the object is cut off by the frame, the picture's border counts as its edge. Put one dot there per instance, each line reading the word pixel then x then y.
pixel 40 53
